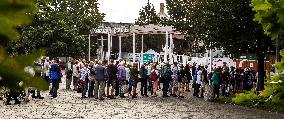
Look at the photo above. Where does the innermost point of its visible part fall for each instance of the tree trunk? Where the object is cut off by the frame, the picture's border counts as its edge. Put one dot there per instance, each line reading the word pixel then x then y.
pixel 263 45
pixel 260 70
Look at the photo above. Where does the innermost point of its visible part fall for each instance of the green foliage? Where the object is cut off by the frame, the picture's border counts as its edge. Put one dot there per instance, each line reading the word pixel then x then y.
pixel 270 98
pixel 59 27
pixel 245 98
pixel 12 14
pixel 148 15
pixel 269 13
pixel 226 24
pixel 12 71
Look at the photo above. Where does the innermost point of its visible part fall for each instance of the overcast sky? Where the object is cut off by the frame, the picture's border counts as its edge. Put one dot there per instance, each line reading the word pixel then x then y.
pixel 125 11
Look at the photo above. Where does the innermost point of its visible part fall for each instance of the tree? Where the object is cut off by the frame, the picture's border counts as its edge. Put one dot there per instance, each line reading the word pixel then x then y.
pixel 148 15
pixel 59 27
pixel 269 13
pixel 224 24
pixel 12 72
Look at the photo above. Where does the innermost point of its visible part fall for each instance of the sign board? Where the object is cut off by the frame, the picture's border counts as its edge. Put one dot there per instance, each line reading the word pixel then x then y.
pixel 241 64
pixel 148 57
pixel 250 64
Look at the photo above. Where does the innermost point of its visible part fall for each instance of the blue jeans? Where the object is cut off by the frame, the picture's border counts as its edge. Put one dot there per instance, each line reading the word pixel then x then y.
pixel 121 87
pixel 84 87
pixel 55 87
pixel 166 85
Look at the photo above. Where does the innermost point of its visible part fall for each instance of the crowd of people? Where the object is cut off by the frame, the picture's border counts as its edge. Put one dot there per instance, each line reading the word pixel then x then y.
pixel 100 79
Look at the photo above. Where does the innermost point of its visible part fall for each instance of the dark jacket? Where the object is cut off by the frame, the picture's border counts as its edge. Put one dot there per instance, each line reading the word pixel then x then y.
pixel 112 70
pixel 143 73
pixel 181 75
pixel 100 72
pixel 134 73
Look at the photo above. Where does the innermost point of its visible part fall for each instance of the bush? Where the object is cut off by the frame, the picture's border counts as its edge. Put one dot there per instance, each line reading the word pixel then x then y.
pixel 246 98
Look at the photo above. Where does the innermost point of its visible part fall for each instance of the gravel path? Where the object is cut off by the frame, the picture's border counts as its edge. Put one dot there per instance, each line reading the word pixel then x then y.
pixel 68 104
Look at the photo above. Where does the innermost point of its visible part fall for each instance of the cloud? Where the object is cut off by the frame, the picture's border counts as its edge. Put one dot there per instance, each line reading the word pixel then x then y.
pixel 125 11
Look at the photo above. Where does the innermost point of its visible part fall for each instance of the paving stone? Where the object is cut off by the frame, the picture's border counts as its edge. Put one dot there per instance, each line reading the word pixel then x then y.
pixel 69 105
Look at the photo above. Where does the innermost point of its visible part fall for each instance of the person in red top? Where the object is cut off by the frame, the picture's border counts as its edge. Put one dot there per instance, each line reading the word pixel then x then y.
pixel 154 78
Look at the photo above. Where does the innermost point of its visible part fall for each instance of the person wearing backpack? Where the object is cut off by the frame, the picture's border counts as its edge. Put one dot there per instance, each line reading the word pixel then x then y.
pixel 121 75
pixel 55 77
pixel 154 78
pixel 143 75
pixel 216 80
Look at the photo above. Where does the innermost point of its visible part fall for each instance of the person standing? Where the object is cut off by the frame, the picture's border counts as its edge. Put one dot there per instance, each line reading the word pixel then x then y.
pixel 198 82
pixel 166 79
pixel 154 78
pixel 111 82
pixel 226 80
pixel 75 74
pixel 128 85
pixel 150 83
pixel 38 71
pixel 46 70
pixel 174 82
pixel 84 79
pixel 216 80
pixel 143 78
pixel 68 72
pixel 117 81
pixel 121 75
pixel 55 77
pixel 181 81
pixel 133 80
pixel 91 79
pixel 100 78
pixel 188 77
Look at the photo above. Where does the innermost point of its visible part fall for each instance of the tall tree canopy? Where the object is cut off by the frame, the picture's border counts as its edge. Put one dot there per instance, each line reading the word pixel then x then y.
pixel 148 15
pixel 269 13
pixel 224 24
pixel 59 27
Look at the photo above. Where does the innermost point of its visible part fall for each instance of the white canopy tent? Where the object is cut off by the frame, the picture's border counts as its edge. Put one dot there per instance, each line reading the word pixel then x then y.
pixel 169 31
